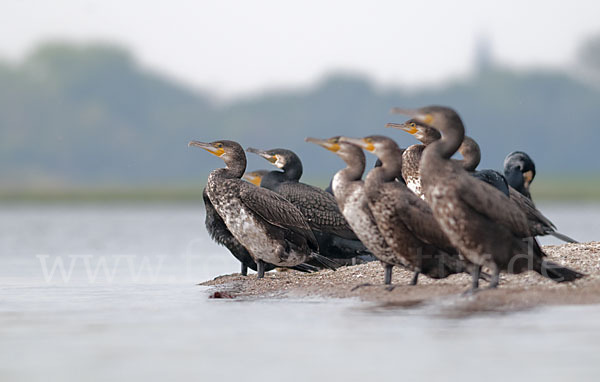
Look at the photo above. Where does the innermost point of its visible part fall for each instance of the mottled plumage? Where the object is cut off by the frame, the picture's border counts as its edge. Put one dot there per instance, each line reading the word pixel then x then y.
pixel 410 168
pixel 479 220
pixel 268 226
pixel 469 149
pixel 405 221
pixel 348 188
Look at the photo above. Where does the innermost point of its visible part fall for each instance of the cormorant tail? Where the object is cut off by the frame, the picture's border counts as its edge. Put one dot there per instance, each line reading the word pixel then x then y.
pixel 557 272
pixel 562 237
pixel 306 268
pixel 325 261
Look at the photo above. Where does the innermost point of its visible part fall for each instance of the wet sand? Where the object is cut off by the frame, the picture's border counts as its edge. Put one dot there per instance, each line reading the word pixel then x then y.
pixel 516 292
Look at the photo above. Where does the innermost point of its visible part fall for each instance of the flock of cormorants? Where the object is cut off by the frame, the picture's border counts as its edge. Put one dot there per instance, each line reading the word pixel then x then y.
pixel 418 208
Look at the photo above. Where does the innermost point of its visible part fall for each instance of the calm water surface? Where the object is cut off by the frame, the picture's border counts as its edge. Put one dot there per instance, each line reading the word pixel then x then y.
pixel 98 292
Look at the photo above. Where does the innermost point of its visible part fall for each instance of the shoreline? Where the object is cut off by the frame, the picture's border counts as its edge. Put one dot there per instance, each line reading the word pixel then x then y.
pixel 516 292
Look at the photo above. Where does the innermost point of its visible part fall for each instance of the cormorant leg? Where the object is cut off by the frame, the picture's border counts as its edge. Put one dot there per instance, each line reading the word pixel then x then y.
pixel 387 277
pixel 495 279
pixel 475 274
pixel 354 261
pixel 360 286
pixel 260 269
pixel 244 270
pixel 415 277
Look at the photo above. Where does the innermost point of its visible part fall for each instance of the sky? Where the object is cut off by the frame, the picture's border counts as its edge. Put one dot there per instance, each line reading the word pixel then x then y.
pixel 234 48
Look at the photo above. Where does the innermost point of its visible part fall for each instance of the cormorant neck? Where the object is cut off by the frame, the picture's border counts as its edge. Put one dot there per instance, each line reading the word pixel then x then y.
pixel 471 153
pixel 453 134
pixel 293 172
pixel 391 164
pixel 355 167
pixel 272 179
pixel 233 168
pixel 390 169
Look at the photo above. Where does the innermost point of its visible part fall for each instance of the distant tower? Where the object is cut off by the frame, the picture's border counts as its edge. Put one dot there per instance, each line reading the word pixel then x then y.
pixel 483 54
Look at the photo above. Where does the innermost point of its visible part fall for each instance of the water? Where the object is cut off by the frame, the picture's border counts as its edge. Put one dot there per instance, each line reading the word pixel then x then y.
pixel 125 305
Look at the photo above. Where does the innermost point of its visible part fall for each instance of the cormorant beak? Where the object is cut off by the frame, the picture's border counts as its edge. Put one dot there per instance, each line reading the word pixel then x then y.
pixel 408 127
pixel 218 151
pixel 334 147
pixel 360 142
pixel 253 178
pixel 416 114
pixel 264 154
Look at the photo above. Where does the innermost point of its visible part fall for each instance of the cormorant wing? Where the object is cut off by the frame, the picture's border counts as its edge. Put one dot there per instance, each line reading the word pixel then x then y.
pixel 318 207
pixel 419 219
pixel 219 232
pixel 278 211
pixel 542 223
pixel 493 204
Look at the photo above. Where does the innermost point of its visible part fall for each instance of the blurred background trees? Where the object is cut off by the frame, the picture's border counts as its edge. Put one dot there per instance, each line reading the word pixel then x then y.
pixel 88 115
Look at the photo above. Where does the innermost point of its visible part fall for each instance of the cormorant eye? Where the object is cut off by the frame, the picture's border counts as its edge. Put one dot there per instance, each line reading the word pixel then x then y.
pixel 412 124
pixel 333 140
pixel 218 145
pixel 368 140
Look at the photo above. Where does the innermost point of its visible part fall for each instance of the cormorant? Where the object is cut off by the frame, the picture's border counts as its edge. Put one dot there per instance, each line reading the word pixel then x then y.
pixel 471 153
pixel 218 231
pixel 266 225
pixel 519 171
pixel 403 218
pixel 335 237
pixel 479 220
pixel 348 188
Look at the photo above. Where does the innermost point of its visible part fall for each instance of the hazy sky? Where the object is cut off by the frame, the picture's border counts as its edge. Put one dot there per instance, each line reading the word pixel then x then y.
pixel 236 47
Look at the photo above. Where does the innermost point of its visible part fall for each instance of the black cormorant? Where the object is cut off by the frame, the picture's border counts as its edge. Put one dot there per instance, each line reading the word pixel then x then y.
pixel 479 220
pixel 268 227
pixel 519 171
pixel 335 237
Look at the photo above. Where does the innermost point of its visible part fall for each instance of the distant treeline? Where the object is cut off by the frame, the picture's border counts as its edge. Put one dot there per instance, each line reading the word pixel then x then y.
pixel 90 116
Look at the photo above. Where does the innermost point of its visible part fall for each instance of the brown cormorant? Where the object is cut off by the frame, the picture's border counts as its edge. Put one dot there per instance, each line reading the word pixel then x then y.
pixel 519 171
pixel 266 225
pixel 404 219
pixel 335 237
pixel 348 189
pixel 471 153
pixel 479 220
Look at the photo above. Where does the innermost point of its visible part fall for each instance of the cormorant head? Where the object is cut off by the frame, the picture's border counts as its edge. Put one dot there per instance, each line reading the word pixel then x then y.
pixel 424 133
pixel 383 148
pixel 255 177
pixel 230 151
pixel 348 152
pixel 281 158
pixel 375 144
pixel 434 116
pixel 519 171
